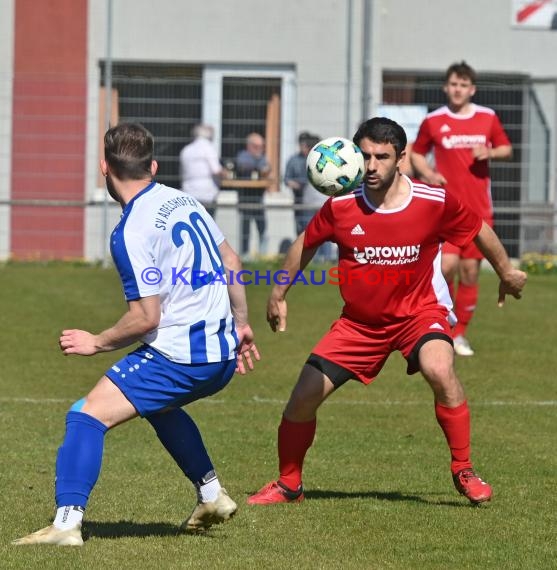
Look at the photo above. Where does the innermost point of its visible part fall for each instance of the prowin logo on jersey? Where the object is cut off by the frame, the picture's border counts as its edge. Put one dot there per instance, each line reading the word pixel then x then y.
pixel 463 141
pixel 387 255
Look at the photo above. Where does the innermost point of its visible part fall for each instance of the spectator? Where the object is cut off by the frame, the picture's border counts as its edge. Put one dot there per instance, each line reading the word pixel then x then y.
pixel 252 164
pixel 307 200
pixel 295 177
pixel 200 168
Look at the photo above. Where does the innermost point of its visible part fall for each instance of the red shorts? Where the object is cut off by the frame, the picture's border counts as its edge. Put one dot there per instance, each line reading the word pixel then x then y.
pixel 363 349
pixel 468 252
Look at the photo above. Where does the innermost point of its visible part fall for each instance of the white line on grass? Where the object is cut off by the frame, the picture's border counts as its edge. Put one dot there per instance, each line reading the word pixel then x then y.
pixel 37 400
pixel 258 400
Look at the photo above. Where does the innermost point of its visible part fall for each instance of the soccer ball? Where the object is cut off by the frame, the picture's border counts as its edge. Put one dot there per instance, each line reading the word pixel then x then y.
pixel 335 166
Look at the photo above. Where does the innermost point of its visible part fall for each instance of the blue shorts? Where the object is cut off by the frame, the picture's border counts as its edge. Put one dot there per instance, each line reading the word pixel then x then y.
pixel 152 383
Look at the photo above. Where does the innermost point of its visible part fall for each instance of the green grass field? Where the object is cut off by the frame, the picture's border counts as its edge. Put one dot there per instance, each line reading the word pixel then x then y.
pixel 379 492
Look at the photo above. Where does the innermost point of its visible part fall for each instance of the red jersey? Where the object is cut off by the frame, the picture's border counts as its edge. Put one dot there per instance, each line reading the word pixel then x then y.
pixel 390 260
pixel 452 138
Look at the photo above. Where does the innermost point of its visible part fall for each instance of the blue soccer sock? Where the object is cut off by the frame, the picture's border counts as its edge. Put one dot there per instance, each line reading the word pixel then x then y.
pixel 181 438
pixel 79 459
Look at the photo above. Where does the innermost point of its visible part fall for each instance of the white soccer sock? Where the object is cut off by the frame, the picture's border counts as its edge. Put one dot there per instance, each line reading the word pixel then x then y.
pixel 68 517
pixel 208 491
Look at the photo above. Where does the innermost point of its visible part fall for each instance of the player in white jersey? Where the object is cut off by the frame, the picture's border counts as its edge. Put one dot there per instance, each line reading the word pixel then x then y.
pixel 173 262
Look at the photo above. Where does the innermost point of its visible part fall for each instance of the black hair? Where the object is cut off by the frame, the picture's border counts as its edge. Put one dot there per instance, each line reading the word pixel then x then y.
pixel 382 130
pixel 304 136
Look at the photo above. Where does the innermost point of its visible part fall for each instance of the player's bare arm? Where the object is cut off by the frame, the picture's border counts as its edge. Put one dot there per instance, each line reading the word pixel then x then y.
pixel 512 280
pixel 482 152
pixel 424 170
pixel 247 351
pixel 236 291
pixel 296 260
pixel 142 316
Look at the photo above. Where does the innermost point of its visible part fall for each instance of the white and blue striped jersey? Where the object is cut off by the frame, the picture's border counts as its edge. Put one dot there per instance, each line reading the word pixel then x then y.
pixel 166 244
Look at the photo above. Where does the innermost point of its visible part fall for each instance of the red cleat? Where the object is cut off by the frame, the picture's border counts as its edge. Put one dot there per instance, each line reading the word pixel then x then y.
pixel 470 485
pixel 276 492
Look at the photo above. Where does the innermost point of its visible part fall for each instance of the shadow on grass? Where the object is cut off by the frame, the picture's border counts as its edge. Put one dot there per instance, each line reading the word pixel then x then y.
pixel 393 496
pixel 121 529
pixel 380 496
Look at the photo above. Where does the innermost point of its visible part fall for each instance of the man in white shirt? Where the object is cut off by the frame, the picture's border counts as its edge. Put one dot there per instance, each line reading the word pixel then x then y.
pixel 200 167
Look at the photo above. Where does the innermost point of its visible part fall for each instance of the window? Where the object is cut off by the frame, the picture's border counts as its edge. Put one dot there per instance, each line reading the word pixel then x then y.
pixel 167 100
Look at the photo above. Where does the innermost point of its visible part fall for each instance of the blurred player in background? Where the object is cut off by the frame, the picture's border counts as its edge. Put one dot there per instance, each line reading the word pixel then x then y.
pixel 464 137
pixel 393 228
pixel 194 336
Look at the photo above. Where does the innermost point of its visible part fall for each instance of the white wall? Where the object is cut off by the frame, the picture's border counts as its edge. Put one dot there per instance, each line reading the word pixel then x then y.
pixel 432 34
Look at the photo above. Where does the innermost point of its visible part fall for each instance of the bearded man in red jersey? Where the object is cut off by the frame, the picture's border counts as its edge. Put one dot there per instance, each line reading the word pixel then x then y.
pixel 390 223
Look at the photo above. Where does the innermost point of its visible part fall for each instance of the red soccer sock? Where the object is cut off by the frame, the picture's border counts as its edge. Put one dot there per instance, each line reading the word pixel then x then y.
pixel 294 439
pixel 465 305
pixel 455 423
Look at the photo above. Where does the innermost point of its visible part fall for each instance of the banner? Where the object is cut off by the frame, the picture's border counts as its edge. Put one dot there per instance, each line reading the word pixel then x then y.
pixel 538 14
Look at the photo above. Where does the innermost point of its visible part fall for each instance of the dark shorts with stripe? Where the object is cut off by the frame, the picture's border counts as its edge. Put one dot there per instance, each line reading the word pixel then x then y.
pixel 355 350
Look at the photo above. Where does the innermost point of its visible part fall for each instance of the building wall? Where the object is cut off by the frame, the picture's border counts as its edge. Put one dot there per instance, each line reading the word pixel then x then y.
pixel 6 86
pixel 48 128
pixel 430 34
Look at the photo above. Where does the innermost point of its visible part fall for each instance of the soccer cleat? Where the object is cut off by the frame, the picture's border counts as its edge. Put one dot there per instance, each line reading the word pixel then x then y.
pixel 205 515
pixel 53 535
pixel 276 492
pixel 470 485
pixel 462 346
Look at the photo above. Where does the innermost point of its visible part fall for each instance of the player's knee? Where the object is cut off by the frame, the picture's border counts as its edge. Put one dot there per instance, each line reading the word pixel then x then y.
pixel 304 402
pixel 469 272
pixel 301 403
pixel 449 392
pixel 300 411
pixel 440 372
pixel 469 279
pixel 79 407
